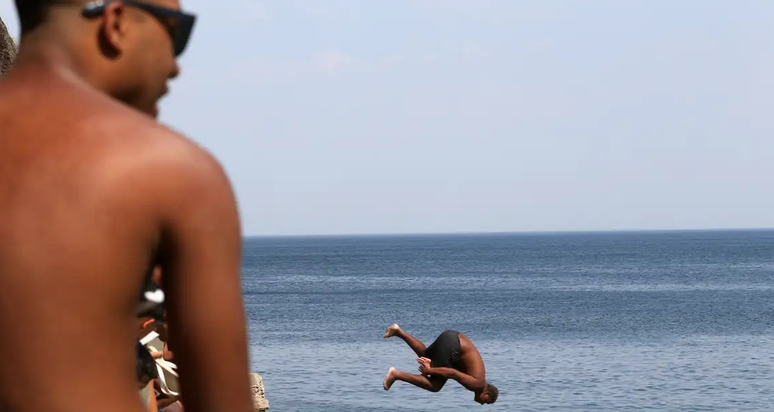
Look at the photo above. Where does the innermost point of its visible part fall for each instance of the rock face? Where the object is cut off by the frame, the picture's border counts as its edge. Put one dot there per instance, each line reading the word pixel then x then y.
pixel 259 394
pixel 7 49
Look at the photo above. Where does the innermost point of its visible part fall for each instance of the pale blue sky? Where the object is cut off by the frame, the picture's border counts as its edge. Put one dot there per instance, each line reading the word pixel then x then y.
pixel 356 116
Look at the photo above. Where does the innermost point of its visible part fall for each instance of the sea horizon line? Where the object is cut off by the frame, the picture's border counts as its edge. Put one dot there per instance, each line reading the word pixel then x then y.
pixel 509 232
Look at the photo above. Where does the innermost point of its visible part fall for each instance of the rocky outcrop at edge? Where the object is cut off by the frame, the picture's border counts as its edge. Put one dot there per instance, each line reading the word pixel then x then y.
pixel 259 394
pixel 7 49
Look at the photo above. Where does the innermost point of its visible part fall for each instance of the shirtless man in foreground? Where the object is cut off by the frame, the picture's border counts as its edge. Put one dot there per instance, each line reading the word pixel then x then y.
pixel 451 356
pixel 93 193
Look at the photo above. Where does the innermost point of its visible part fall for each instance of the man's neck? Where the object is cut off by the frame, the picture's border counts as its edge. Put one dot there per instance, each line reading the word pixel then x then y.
pixel 47 51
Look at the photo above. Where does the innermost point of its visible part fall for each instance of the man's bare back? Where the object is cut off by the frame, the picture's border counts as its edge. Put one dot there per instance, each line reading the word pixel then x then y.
pixel 471 362
pixel 92 193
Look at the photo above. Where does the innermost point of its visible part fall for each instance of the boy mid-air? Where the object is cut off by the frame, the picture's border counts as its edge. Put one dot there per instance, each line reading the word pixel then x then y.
pixel 451 356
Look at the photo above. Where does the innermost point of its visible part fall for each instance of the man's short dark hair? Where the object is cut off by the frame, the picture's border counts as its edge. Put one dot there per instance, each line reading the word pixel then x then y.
pixel 493 392
pixel 33 12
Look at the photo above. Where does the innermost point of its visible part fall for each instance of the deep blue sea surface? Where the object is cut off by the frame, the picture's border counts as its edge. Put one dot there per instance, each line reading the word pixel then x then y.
pixel 671 321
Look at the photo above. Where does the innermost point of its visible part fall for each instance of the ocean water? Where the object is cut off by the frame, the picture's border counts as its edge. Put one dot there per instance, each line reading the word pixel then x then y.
pixel 672 321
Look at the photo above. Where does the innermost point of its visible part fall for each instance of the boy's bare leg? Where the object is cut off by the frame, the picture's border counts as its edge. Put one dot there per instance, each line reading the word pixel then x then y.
pixel 416 380
pixel 416 345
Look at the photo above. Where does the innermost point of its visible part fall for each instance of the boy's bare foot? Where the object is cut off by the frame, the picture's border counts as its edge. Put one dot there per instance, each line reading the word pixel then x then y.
pixel 391 331
pixel 390 379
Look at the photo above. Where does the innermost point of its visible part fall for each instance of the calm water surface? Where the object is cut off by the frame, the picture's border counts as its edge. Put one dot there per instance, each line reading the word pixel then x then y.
pixel 565 322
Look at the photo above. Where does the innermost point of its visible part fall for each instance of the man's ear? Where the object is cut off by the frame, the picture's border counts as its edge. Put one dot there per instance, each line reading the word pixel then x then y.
pixel 114 29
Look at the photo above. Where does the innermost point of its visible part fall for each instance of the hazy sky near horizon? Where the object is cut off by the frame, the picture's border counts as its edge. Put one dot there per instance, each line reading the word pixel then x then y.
pixel 354 116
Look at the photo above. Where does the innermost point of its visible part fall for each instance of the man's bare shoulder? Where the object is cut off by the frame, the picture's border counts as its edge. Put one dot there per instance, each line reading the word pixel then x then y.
pixel 468 349
pixel 181 157
pixel 167 164
pixel 118 148
pixel 466 342
pixel 98 120
pixel 182 174
pixel 153 147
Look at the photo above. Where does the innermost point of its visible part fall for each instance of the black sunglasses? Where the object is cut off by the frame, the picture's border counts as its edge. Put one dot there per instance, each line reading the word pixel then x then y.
pixel 179 24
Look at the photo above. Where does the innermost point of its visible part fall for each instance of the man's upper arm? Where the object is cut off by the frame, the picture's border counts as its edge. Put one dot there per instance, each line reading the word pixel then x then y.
pixel 200 253
pixel 469 382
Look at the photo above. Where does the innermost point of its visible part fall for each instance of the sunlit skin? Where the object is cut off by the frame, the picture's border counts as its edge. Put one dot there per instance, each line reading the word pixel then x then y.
pixel 471 373
pixel 92 189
